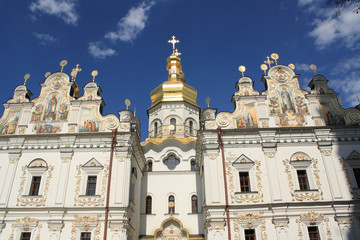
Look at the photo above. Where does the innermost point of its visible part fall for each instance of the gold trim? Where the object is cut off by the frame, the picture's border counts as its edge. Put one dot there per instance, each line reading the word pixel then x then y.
pixel 304 196
pixel 158 141
pixel 86 221
pixel 38 201
pixel 172 218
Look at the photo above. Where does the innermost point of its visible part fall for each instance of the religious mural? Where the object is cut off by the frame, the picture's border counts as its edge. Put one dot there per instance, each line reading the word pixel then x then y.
pixel 47 127
pixel 10 124
pixel 248 118
pixel 51 105
pixel 87 122
pixel 329 115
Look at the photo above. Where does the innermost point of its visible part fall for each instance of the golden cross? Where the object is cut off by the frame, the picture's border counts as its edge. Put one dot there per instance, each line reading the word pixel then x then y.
pixel 177 53
pixel 268 61
pixel 173 42
pixel 75 71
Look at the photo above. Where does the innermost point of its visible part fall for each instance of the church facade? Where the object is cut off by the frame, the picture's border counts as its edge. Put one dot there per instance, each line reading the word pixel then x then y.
pixel 284 165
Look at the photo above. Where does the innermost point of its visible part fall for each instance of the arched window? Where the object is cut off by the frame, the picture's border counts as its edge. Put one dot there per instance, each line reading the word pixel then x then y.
pixel 150 166
pixel 148 204
pixel 194 204
pixel 191 127
pixel 173 122
pixel 155 129
pixel 171 162
pixel 193 165
pixel 171 204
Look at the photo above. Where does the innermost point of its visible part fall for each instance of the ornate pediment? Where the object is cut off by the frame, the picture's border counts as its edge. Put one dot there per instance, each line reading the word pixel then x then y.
pixel 93 163
pixel 354 155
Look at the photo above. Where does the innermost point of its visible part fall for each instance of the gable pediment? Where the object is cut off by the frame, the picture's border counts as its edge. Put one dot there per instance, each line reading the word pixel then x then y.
pixel 93 163
pixel 354 155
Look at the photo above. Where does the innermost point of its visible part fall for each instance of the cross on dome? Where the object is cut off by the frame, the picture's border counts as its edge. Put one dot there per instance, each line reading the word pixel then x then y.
pixel 173 41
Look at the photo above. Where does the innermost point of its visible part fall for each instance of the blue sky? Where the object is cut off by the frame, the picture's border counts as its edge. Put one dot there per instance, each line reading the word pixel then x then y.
pixel 126 41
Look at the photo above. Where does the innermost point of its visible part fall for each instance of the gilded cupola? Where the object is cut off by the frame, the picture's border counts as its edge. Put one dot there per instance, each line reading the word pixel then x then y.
pixel 174 89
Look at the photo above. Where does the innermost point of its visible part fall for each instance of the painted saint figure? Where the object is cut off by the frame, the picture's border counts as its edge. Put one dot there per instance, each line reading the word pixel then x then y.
pixel 51 109
pixel 286 100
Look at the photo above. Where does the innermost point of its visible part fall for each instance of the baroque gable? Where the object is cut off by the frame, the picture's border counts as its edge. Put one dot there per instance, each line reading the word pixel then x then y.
pixel 57 109
pixel 282 104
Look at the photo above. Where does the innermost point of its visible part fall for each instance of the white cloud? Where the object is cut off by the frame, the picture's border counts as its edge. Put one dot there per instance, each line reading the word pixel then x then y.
pixel 304 2
pixel 349 86
pixel 45 38
pixel 98 50
pixel 132 24
pixel 303 67
pixel 64 9
pixel 346 65
pixel 344 28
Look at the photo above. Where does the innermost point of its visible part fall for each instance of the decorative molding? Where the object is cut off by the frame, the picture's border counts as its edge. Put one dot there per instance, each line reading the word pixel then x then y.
pixel 66 159
pixel 90 200
pixel 265 123
pixel 212 155
pixel 270 154
pixel 27 224
pixel 347 177
pixel 40 200
pixel 249 221
pixel 318 122
pixel 251 197
pixel 304 195
pixel 87 223
pixel 12 160
pixel 326 152
pixel 312 217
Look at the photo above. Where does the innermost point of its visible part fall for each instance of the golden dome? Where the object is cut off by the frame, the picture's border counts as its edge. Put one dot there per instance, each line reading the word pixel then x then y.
pixel 174 89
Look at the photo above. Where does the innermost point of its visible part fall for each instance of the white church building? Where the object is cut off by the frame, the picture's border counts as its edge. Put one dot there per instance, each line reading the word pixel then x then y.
pixel 284 165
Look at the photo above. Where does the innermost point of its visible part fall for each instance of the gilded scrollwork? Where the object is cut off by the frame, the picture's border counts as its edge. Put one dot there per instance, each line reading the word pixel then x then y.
pixel 89 200
pixel 270 154
pixel 27 224
pixel 251 197
pixel 347 177
pixel 24 200
pixel 317 195
pixel 326 152
pixel 87 223
pixel 250 221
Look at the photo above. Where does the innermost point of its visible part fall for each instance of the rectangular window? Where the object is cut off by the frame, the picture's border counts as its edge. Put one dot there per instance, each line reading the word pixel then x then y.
pixel 25 236
pixel 313 233
pixel 35 186
pixel 357 176
pixel 244 181
pixel 303 180
pixel 250 234
pixel 91 186
pixel 85 236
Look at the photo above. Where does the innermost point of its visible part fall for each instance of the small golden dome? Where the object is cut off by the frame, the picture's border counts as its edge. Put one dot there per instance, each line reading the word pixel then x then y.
pixel 174 89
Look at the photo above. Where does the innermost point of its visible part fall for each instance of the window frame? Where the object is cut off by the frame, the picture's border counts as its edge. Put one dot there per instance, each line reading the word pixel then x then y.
pixel 91 191
pixel 303 180
pixel 313 232
pixel 193 165
pixel 85 237
pixel 148 205
pixel 150 166
pixel 35 186
pixel 171 210
pixel 244 183
pixel 194 204
pixel 175 161
pixel 22 237
pixel 249 234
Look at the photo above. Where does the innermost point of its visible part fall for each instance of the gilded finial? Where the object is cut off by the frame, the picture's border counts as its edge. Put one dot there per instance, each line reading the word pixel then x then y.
pixel 207 100
pixel 275 56
pixel 292 66
pixel 173 41
pixel 75 72
pixel 127 103
pixel 340 100
pixel 94 74
pixel 242 69
pixel 177 53
pixel 26 77
pixel 63 63
pixel 264 68
pixel 313 67
pixel 268 61
pixel 47 74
